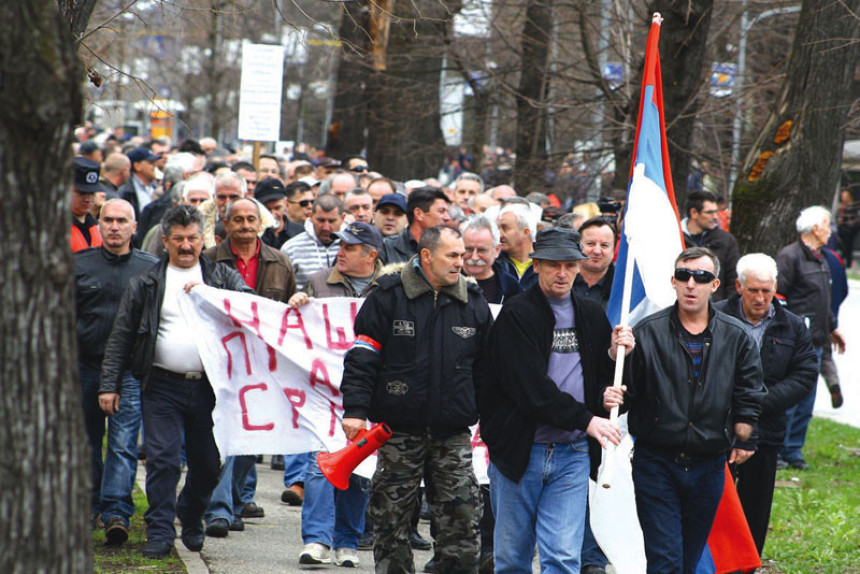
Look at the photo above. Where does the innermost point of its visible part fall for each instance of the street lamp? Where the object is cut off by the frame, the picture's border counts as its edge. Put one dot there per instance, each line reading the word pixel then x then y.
pixel 746 26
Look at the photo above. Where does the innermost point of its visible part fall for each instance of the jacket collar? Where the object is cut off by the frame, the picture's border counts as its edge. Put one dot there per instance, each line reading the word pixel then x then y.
pixel 415 285
pixel 114 259
pixel 338 278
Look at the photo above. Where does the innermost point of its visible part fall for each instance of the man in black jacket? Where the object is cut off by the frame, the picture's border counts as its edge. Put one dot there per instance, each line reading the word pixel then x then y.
pixel 426 207
pixel 694 387
pixel 101 277
pixel 417 365
pixel 542 396
pixel 701 228
pixel 790 368
pixel 151 336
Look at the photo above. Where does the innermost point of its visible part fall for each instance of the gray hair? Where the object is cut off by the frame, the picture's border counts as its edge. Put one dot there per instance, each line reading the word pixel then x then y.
pixel 325 185
pixel 537 198
pixel 480 221
pixel 756 266
pixel 468 176
pixel 524 216
pixel 183 216
pixel 178 165
pixel 198 183
pixel 122 202
pixel 810 217
pixel 231 178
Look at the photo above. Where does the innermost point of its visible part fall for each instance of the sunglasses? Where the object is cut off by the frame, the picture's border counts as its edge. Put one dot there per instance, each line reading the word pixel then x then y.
pixel 359 169
pixel 303 203
pixel 698 275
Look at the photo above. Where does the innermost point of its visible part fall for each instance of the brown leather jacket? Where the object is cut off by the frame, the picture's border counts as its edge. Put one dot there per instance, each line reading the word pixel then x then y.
pixel 275 278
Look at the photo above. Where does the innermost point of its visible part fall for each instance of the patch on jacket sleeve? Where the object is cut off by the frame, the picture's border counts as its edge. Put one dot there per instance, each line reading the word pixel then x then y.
pixel 397 388
pixel 403 328
pixel 464 332
pixel 365 342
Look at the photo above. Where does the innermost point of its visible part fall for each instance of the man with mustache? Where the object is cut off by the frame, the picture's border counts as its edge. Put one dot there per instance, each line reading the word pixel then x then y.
pixel 481 239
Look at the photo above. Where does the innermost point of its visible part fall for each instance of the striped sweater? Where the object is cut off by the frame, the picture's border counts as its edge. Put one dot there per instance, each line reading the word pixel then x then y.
pixel 309 255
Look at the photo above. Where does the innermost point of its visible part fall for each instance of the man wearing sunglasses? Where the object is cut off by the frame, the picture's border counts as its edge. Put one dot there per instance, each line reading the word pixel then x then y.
pixel 701 228
pixel 693 388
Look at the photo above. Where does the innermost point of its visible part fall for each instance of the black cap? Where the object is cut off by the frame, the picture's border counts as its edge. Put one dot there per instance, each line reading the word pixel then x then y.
pixel 361 232
pixel 557 244
pixel 87 176
pixel 392 199
pixel 269 189
pixel 142 154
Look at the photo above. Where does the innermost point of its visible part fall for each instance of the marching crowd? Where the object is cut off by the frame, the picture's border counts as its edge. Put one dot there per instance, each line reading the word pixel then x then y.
pixel 728 373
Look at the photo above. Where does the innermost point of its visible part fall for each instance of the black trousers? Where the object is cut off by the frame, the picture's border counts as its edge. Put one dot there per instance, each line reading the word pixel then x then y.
pixel 755 489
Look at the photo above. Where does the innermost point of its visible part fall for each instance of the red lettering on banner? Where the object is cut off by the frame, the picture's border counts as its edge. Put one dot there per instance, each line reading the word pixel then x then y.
pixel 478 442
pixel 319 367
pixel 297 401
pixel 299 324
pixel 245 422
pixel 333 407
pixel 254 324
pixel 341 344
pixel 226 339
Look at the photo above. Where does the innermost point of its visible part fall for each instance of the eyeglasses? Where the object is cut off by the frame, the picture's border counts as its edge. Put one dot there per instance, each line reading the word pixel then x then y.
pixel 480 250
pixel 698 275
pixel 303 203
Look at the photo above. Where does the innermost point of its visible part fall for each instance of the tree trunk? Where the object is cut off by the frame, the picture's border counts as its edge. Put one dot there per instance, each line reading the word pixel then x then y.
pixel 214 69
pixel 531 97
pixel 44 477
pixel 794 163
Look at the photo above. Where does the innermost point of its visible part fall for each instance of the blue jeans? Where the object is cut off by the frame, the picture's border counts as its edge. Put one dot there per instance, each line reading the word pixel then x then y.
pixel 113 479
pixel 330 516
pixel 797 423
pixel 295 467
pixel 676 503
pixel 547 506
pixel 226 501
pixel 172 405
pixel 249 489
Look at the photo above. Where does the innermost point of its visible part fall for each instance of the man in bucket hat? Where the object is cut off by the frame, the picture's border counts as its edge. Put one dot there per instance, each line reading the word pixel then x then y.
pixel 542 412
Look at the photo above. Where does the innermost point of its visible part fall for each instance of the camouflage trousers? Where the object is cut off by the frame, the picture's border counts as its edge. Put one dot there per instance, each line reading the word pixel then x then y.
pixel 452 494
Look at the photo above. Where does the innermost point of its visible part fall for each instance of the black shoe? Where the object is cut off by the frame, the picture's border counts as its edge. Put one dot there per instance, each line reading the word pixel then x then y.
pixel 216 528
pixel 593 569
pixel 366 541
pixel 251 510
pixel 430 567
pixel 278 462
pixel 781 464
pixel 238 525
pixel 799 464
pixel 425 511
pixel 193 537
pixel 116 532
pixel 419 543
pixel 157 549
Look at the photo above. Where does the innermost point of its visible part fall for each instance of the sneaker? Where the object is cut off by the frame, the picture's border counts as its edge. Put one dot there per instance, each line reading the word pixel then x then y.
pixel 251 510
pixel 836 396
pixel 157 549
pixel 116 532
pixel 315 553
pixel 294 495
pixel 346 557
pixel 218 528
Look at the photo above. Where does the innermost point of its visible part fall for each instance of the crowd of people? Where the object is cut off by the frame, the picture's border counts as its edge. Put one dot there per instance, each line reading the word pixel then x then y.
pixel 728 373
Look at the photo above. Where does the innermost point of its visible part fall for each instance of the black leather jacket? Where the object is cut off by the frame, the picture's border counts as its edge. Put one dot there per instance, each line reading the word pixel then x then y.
pixel 429 365
pixel 789 364
pixel 398 248
pixel 805 283
pixel 132 341
pixel 100 281
pixel 668 410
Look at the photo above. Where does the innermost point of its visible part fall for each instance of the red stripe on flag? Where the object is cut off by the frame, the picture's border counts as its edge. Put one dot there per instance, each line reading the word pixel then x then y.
pixel 731 542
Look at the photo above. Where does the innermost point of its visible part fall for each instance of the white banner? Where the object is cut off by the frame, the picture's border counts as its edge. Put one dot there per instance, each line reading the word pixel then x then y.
pixel 260 92
pixel 276 372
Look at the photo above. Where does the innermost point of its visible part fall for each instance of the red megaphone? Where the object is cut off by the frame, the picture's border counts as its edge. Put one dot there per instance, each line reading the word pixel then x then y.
pixel 338 466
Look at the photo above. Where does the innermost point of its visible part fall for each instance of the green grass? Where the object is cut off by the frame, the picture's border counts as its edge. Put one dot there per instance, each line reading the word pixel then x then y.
pixel 853 274
pixel 127 558
pixel 815 525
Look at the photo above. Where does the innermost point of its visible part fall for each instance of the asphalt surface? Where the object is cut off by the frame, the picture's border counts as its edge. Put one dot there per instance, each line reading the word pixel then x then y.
pixel 272 544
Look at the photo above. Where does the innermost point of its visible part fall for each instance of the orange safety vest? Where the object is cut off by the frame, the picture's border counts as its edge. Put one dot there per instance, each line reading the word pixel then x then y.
pixel 79 242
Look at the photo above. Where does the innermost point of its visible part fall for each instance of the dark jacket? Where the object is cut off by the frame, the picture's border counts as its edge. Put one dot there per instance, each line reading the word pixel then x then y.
pixel 789 365
pixel 100 281
pixel 725 247
pixel 132 341
pixel 333 283
pixel 287 232
pixel 506 284
pixel 427 367
pixel 151 216
pixel 805 285
pixel 600 292
pixel 668 412
pixel 398 248
pixel 275 278
pixel 518 394
pixel 528 279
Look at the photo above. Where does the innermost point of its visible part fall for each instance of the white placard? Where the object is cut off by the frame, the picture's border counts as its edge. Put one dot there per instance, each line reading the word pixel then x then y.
pixel 260 97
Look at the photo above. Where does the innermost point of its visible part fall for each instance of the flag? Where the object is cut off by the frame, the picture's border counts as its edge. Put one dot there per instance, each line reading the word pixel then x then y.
pixel 651 227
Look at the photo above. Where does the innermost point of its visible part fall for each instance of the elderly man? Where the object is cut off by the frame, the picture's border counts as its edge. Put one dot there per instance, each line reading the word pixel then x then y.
pixel 389 215
pixel 268 272
pixel 338 184
pixel 426 207
pixel 805 285
pixel 481 239
pixel 790 368
pixel 85 228
pixel 702 227
pixel 594 279
pixel 335 519
pixel 418 365
pixel 151 337
pixel 542 398
pixel 694 387
pixel 101 276
pixel 517 228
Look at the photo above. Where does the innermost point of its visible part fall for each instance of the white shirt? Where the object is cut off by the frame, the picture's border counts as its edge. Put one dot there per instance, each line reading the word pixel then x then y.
pixel 175 349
